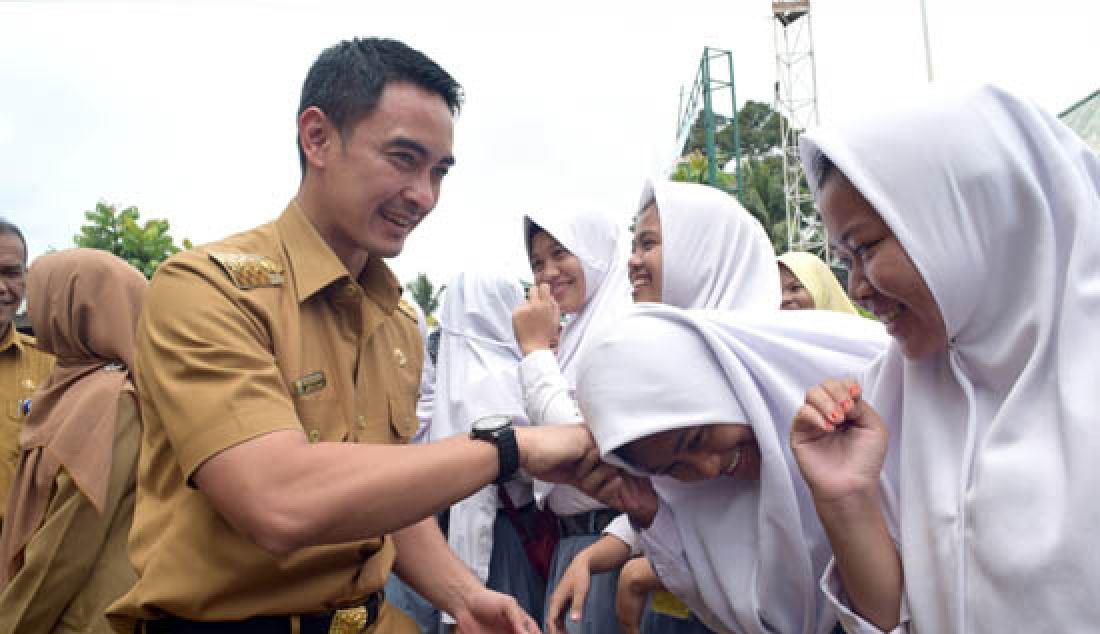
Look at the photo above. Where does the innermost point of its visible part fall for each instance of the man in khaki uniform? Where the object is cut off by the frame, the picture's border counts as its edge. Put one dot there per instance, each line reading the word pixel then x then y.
pixel 278 371
pixel 22 365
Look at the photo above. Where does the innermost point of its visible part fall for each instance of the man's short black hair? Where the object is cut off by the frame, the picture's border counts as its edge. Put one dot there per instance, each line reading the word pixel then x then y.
pixel 7 227
pixel 347 79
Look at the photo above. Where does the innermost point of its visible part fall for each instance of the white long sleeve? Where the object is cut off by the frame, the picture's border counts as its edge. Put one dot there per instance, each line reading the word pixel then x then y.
pixel 548 401
pixel 833 588
pixel 546 396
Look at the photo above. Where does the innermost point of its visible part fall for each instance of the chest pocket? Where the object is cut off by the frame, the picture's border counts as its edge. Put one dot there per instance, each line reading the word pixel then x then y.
pixel 403 420
pixel 16 406
pixel 322 419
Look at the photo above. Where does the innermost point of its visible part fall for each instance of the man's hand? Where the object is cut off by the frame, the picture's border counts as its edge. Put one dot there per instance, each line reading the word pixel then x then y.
pixel 537 321
pixel 638 499
pixel 553 453
pixel 489 612
pixel 636 581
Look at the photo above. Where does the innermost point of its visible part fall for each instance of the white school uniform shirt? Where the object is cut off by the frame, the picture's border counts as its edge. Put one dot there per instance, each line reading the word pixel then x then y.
pixel 745 556
pixel 602 247
pixel 992 471
pixel 427 381
pixel 477 376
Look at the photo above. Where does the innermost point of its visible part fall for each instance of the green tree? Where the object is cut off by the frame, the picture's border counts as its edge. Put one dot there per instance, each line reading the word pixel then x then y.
pixel 761 165
pixel 758 127
pixel 144 246
pixel 425 295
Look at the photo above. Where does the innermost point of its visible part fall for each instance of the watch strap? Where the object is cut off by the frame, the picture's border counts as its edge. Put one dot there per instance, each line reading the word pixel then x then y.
pixel 507 454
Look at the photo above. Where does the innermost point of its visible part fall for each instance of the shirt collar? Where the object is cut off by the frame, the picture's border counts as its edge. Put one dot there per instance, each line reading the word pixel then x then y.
pixel 11 338
pixel 315 266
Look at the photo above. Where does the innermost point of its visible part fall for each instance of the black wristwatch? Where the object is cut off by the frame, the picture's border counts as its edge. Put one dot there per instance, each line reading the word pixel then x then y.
pixel 498 430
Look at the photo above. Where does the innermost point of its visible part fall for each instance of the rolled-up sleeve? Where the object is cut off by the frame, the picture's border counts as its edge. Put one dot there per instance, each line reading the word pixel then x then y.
pixel 621 529
pixel 853 623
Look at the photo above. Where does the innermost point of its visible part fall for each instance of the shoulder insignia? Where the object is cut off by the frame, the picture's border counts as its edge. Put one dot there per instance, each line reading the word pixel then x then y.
pixel 248 270
pixel 405 307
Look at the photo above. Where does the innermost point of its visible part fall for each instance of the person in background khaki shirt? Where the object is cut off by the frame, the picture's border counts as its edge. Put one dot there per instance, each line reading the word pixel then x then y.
pixel 278 371
pixel 22 365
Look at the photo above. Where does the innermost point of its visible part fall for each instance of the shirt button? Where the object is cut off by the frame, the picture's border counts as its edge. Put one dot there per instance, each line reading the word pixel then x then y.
pixel 360 422
pixel 314 435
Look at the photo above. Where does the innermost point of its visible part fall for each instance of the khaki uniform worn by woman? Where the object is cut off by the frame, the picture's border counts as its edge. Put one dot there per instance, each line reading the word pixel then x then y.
pixel 23 367
pixel 63 549
pixel 260 332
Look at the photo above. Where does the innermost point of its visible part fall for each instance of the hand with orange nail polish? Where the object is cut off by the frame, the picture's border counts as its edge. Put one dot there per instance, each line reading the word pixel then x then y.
pixel 839 441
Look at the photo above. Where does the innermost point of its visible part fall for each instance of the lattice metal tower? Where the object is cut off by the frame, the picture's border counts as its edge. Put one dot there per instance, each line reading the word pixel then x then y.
pixel 796 101
pixel 715 74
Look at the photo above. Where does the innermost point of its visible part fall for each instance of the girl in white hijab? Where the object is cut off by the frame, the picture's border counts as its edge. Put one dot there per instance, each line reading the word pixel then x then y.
pixel 694 247
pixel 477 376
pixel 578 260
pixel 971 223
pixel 700 401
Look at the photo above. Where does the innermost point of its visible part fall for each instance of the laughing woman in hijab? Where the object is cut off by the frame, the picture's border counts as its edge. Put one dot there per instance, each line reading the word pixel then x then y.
pixel 63 551
pixel 808 283
pixel 957 481
pixel 477 375
pixel 698 405
pixel 579 264
pixel 694 247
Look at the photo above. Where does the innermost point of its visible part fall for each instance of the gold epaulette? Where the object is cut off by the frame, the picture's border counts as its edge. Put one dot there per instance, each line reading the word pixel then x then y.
pixel 405 307
pixel 248 270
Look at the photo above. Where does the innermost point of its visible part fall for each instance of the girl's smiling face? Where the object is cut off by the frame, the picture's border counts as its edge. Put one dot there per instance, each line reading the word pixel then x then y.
pixel 553 264
pixel 882 278
pixel 694 454
pixel 646 257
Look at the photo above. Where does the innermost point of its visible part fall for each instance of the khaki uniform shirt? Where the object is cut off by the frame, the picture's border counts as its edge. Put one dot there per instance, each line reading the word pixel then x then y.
pixel 263 331
pixel 76 564
pixel 23 367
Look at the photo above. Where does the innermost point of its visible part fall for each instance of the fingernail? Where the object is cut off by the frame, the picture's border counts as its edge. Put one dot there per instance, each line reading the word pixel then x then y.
pixel 576 616
pixel 835 415
pixel 853 390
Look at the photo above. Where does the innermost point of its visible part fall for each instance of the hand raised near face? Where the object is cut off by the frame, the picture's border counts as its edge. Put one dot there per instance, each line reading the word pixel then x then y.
pixel 838 440
pixel 537 321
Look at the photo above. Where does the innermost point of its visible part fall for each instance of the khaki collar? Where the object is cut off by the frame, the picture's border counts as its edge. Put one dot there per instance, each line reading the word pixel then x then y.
pixel 10 338
pixel 315 267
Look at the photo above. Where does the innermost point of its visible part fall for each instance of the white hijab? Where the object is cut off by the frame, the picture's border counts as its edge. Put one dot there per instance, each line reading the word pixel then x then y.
pixel 754 549
pixel 714 253
pixel 477 375
pixel 602 247
pixel 995 444
pixel 478 363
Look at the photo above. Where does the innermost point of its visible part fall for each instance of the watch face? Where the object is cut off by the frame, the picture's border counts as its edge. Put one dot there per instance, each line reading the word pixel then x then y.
pixel 491 423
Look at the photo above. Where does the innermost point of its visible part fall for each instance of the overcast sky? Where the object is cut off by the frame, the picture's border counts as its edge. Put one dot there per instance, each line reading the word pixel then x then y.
pixel 186 110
